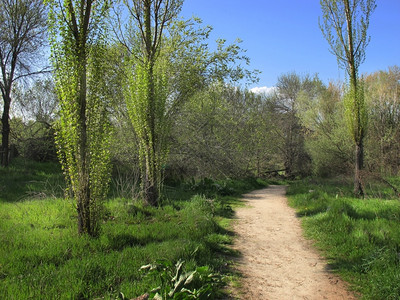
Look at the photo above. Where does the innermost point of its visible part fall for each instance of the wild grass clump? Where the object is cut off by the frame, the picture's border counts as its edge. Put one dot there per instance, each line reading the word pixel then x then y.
pixel 360 237
pixel 43 257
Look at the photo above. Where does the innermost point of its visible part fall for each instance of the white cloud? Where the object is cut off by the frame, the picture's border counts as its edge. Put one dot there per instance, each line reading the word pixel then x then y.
pixel 263 90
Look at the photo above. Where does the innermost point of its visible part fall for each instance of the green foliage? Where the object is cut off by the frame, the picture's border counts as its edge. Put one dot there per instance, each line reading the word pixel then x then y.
pixel 177 284
pixel 347 44
pixel 83 130
pixel 360 237
pixel 33 140
pixel 382 96
pixel 146 101
pixel 355 111
pixel 226 187
pixel 327 139
pixel 290 136
pixel 221 132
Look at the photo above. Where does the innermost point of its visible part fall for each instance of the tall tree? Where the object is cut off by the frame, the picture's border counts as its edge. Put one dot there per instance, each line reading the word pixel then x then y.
pixel 345 24
pixel 22 35
pixel 77 36
pixel 146 94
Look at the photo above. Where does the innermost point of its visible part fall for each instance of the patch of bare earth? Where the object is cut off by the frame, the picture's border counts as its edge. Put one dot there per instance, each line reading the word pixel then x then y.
pixel 276 261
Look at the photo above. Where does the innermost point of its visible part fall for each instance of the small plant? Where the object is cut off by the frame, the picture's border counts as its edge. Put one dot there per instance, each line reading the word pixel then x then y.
pixel 177 284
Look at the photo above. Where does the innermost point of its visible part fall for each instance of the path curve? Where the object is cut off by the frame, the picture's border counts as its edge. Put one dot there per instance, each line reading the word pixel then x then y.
pixel 276 261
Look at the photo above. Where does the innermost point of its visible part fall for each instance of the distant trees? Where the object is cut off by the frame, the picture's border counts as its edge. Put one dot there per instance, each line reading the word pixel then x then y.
pixel 35 113
pixel 327 141
pixel 345 24
pixel 289 130
pixel 221 132
pixel 77 36
pixel 382 90
pixel 22 35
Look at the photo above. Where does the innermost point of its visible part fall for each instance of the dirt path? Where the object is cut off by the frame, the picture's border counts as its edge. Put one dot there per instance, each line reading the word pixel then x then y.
pixel 277 262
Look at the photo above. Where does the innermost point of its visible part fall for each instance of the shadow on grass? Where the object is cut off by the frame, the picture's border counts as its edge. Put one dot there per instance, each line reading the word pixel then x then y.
pixel 121 241
pixel 26 179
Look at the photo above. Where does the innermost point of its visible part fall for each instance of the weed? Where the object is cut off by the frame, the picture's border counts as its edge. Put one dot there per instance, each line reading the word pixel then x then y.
pixel 178 284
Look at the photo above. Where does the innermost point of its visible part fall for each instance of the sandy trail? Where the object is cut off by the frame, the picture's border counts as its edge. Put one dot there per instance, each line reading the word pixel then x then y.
pixel 277 262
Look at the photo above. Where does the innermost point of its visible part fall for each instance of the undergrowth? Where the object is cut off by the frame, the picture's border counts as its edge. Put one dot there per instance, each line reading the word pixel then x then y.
pixel 42 256
pixel 360 237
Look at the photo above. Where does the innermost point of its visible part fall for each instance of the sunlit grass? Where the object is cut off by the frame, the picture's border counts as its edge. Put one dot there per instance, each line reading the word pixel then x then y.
pixel 360 237
pixel 43 257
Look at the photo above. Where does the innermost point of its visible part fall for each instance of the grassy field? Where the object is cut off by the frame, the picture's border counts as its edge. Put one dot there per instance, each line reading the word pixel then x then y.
pixel 360 237
pixel 42 257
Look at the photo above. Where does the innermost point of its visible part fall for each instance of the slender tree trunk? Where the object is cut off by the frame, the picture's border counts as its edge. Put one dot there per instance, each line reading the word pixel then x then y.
pixel 85 219
pixel 5 120
pixel 151 184
pixel 150 181
pixel 358 136
pixel 359 157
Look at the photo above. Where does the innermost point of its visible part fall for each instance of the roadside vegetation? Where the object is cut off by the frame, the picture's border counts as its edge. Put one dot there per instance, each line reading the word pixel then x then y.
pixel 42 255
pixel 359 237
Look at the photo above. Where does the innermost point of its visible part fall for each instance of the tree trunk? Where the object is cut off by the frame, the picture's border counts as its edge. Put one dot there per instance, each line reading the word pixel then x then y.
pixel 150 184
pixel 86 218
pixel 358 188
pixel 151 176
pixel 5 120
pixel 150 188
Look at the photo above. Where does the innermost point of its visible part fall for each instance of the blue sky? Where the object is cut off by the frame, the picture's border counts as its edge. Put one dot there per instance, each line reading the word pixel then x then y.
pixel 282 36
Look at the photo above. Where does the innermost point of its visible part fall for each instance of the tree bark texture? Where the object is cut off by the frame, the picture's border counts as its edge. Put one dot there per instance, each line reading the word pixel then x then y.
pixel 5 120
pixel 359 161
pixel 83 193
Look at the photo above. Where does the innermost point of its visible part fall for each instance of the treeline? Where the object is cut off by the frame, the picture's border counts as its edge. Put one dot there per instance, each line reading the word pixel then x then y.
pixel 299 129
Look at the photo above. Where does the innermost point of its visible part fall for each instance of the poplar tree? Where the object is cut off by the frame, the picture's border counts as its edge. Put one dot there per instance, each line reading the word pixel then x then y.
pixel 345 24
pixel 77 37
pixel 147 90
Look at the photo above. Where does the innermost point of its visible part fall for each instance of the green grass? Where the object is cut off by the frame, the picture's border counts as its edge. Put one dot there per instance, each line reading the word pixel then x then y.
pixel 27 179
pixel 360 237
pixel 42 256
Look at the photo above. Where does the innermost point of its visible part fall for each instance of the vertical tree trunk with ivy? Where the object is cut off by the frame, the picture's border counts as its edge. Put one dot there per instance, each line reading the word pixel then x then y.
pixel 345 24
pixel 83 131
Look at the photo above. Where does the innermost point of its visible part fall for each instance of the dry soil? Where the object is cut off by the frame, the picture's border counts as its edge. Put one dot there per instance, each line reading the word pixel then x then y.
pixel 276 261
